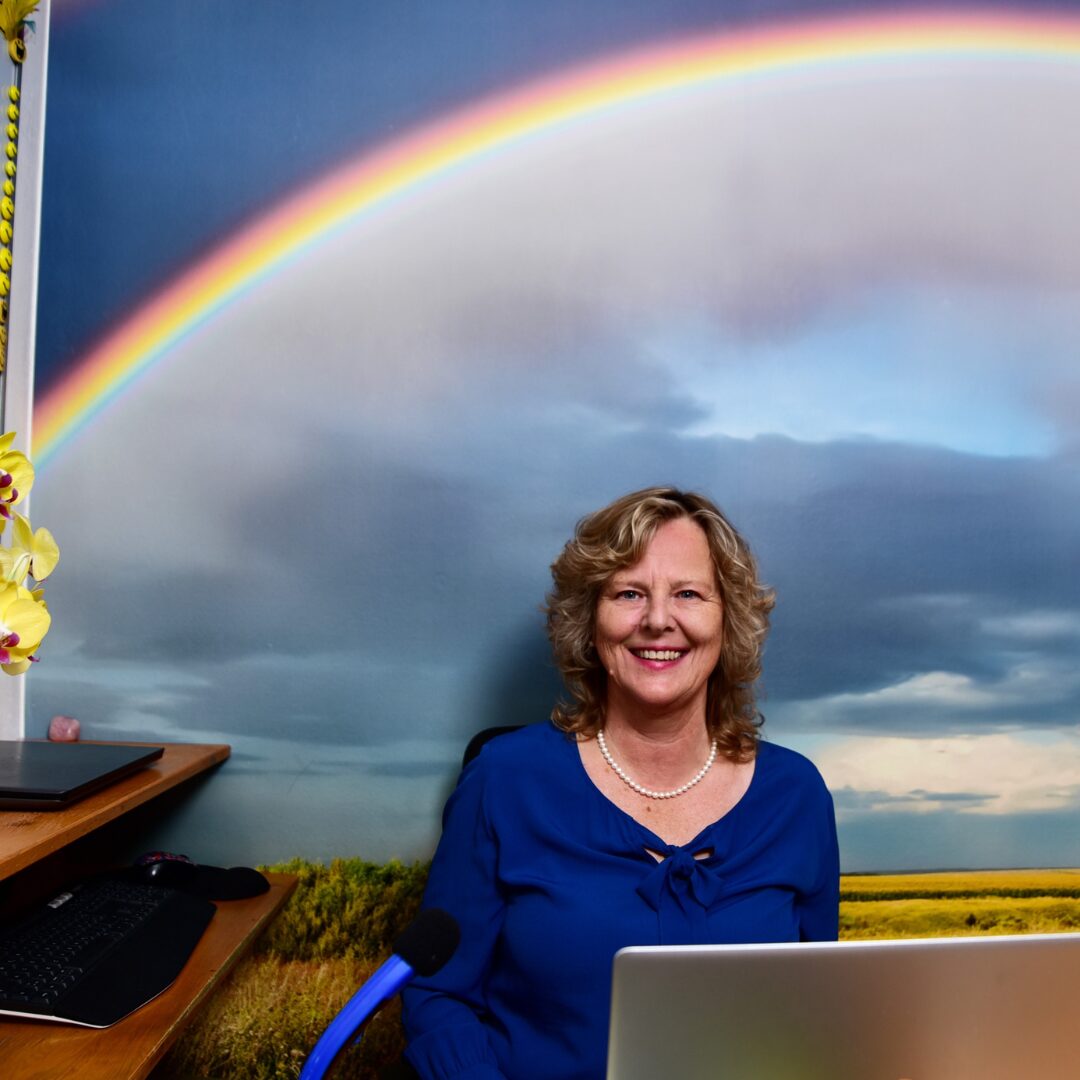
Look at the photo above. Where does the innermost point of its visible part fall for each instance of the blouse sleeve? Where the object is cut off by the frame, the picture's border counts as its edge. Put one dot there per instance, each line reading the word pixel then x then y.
pixel 446 1039
pixel 819 908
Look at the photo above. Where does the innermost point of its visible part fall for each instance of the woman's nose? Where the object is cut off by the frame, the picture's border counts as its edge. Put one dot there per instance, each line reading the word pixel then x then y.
pixel 657 616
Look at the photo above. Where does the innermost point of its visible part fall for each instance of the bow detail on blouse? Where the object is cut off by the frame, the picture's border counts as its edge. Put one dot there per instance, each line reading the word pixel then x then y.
pixel 683 878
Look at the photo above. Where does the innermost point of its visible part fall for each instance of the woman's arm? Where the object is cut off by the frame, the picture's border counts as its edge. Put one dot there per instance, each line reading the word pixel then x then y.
pixel 447 1040
pixel 819 909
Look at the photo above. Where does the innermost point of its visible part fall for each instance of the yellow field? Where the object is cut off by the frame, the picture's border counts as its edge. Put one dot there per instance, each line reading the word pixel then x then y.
pixel 958 904
pixel 953 881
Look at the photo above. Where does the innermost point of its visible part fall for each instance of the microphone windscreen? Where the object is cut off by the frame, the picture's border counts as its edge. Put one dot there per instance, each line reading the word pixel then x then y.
pixel 428 941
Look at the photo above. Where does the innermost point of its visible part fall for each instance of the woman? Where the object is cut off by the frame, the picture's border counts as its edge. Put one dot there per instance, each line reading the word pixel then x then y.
pixel 647 812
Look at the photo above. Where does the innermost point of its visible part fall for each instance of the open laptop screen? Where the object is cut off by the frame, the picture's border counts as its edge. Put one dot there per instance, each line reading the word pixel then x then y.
pixel 991 1008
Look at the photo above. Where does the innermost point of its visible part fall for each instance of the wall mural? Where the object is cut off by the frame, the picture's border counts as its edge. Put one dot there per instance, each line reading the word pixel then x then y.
pixel 343 326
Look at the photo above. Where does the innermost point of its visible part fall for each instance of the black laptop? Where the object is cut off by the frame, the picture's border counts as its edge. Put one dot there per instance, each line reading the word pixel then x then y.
pixel 52 775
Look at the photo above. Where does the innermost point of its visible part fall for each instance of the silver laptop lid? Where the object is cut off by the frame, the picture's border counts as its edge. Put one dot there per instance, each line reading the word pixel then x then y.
pixel 989 1008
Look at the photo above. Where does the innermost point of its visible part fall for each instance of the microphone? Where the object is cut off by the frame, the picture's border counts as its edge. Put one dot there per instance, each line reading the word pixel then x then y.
pixel 422 948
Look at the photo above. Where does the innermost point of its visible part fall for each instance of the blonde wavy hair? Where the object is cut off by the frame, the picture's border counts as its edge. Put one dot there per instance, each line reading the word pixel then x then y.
pixel 616 537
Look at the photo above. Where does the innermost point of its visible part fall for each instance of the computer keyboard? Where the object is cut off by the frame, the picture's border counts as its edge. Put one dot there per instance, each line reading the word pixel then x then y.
pixel 96 952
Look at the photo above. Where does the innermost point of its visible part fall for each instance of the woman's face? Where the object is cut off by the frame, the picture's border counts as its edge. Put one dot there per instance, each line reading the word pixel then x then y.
pixel 660 624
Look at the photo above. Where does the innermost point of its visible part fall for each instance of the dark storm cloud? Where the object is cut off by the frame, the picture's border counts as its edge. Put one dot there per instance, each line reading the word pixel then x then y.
pixel 888 566
pixel 416 611
pixel 849 801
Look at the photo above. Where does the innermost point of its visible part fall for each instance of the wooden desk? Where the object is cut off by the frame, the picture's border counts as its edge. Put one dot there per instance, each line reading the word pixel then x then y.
pixel 36 1050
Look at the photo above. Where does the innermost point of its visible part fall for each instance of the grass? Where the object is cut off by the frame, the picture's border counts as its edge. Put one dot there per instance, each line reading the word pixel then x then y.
pixel 335 931
pixel 264 1023
pixel 338 926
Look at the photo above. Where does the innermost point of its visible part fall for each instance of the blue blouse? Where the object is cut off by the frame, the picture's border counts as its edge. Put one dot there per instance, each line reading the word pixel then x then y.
pixel 548 879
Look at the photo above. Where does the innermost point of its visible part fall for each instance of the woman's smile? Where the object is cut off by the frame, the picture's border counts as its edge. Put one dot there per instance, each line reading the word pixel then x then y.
pixel 659 657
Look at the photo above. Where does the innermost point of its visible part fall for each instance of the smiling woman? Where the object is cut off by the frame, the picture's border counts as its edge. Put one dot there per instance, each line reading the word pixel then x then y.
pixel 648 812
pixel 699 548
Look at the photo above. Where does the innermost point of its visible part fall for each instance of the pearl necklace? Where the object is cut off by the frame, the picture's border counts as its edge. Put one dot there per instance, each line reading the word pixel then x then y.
pixel 606 753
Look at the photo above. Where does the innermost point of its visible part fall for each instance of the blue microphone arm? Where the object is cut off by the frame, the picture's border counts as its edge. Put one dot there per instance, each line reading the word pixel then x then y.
pixel 384 984
pixel 422 948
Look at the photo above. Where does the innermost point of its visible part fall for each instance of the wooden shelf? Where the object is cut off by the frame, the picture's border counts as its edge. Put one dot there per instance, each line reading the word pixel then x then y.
pixel 36 1050
pixel 27 836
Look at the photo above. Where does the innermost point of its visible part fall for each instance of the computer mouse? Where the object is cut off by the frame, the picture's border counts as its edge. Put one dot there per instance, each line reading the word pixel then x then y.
pixel 234 883
pixel 170 873
pixel 211 882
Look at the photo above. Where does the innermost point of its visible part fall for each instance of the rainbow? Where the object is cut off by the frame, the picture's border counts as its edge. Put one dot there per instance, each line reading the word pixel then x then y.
pixel 373 179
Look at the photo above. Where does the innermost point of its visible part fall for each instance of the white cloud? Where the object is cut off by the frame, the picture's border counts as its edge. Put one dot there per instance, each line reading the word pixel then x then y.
pixel 933 688
pixel 980 774
pixel 1034 626
pixel 933 699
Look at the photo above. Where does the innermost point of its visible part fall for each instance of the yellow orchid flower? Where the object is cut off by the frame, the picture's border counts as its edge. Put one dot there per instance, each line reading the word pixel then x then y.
pixel 24 621
pixel 16 475
pixel 33 553
pixel 24 618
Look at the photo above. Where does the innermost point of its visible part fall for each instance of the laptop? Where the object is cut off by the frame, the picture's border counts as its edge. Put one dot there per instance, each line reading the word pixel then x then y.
pixel 979 1008
pixel 52 775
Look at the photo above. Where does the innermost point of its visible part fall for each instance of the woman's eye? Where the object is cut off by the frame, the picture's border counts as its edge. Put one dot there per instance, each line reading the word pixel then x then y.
pixel 627 594
pixel 688 594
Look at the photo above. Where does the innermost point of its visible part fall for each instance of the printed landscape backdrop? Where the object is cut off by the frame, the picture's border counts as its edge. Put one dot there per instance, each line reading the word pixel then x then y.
pixel 349 310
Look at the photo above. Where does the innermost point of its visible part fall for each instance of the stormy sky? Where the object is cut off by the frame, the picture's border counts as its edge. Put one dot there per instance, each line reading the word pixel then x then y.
pixel 842 302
